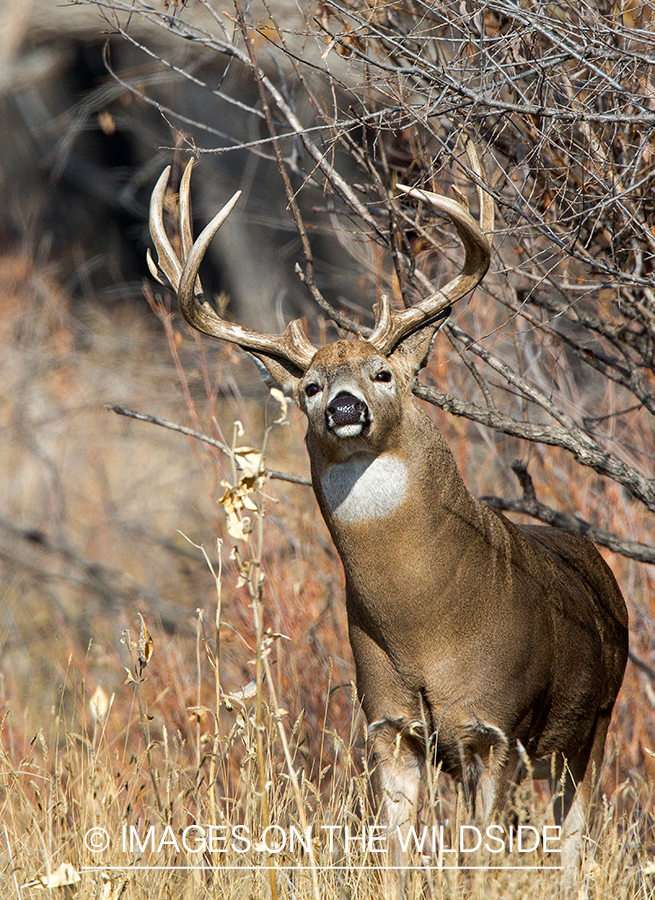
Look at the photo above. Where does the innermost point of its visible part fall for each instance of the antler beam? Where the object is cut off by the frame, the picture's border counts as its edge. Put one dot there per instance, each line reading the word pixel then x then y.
pixel 292 345
pixel 393 325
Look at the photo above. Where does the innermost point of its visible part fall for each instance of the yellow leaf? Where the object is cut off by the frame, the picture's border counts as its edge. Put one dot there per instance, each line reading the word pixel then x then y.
pixel 277 394
pixel 145 646
pixel 249 461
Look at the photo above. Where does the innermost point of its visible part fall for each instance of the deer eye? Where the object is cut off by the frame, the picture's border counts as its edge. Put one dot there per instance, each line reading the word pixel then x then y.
pixel 383 375
pixel 312 389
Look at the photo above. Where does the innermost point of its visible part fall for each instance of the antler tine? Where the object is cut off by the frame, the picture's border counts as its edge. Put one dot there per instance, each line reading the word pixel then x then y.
pixel 393 325
pixel 484 197
pixel 186 232
pixel 293 345
pixel 167 261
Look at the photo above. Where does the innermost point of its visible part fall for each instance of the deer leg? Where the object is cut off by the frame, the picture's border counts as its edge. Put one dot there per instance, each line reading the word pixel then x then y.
pixel 572 806
pixel 396 781
pixel 498 786
pixel 486 767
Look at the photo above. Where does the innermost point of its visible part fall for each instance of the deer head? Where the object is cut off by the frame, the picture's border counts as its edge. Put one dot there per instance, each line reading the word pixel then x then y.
pixel 505 644
pixel 353 392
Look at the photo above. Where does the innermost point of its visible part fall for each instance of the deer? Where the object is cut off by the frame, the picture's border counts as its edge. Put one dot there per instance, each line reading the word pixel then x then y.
pixel 491 648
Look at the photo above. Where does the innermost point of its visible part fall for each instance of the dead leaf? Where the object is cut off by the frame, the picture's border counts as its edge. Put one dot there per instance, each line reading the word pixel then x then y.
pixel 64 876
pixel 277 394
pixel 249 461
pixel 145 646
pixel 240 696
pixel 234 501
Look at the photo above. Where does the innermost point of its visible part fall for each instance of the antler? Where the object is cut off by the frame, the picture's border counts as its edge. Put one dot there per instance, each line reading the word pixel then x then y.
pixel 292 345
pixel 392 325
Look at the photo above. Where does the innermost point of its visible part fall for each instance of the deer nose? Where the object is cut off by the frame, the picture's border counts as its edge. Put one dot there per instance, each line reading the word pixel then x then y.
pixel 345 409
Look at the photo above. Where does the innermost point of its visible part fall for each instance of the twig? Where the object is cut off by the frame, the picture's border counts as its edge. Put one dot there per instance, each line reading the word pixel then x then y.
pixel 640 664
pixel 172 426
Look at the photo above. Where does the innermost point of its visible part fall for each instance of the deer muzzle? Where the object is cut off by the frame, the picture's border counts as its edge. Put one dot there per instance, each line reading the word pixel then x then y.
pixel 346 415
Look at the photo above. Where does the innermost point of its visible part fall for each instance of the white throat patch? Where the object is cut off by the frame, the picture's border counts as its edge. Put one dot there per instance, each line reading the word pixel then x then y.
pixel 365 488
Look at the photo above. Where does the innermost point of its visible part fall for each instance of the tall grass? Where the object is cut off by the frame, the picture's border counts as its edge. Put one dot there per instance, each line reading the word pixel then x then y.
pixel 250 724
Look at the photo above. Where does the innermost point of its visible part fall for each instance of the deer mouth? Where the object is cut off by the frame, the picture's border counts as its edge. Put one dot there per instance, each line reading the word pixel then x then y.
pixel 347 416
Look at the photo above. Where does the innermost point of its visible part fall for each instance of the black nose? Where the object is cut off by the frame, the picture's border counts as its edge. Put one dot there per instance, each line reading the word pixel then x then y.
pixel 346 410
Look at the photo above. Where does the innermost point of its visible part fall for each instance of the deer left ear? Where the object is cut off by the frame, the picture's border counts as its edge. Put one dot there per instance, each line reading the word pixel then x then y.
pixel 413 351
pixel 278 372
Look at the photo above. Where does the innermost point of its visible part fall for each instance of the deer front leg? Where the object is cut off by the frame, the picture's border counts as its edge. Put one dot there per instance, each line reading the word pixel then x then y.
pixel 396 782
pixel 487 766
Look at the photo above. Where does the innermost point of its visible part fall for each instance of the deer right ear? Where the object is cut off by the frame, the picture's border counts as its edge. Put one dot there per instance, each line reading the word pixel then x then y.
pixel 278 372
pixel 413 351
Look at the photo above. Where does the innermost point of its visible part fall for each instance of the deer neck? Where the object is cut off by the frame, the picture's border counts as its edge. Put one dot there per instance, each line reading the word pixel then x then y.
pixel 405 527
pixel 408 490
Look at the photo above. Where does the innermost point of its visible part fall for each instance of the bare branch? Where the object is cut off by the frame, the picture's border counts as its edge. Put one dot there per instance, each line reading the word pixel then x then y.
pixel 172 426
pixel 530 506
pixel 584 450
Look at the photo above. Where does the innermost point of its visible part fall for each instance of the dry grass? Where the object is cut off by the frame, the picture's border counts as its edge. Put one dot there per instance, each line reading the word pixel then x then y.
pixel 91 509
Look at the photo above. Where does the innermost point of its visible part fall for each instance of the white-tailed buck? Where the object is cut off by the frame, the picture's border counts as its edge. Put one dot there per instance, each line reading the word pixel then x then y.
pixel 506 644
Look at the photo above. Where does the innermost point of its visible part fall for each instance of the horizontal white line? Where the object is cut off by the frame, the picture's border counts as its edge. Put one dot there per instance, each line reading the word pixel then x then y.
pixel 254 867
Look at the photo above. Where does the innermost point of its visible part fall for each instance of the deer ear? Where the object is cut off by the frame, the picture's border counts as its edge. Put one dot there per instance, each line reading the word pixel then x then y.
pixel 278 372
pixel 413 351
